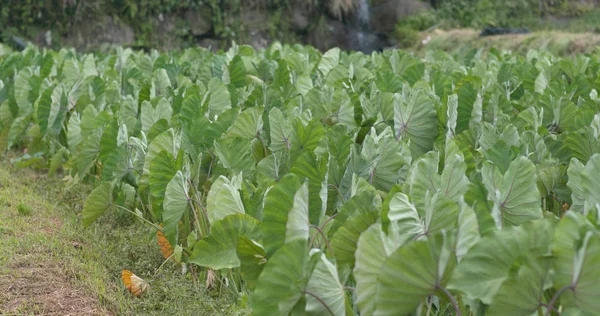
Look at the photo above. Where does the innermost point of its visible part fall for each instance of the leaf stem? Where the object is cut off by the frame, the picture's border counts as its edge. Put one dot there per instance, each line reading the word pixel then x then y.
pixel 320 301
pixel 324 237
pixel 451 298
pixel 550 305
pixel 138 216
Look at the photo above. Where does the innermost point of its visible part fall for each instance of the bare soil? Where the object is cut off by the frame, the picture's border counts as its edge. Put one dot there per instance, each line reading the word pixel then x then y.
pixel 43 288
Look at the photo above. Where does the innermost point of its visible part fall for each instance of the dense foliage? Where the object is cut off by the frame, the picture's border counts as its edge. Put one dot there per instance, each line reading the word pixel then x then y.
pixel 335 183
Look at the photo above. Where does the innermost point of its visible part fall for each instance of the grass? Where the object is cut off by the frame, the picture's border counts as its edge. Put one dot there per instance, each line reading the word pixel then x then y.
pixel 48 261
pixel 461 41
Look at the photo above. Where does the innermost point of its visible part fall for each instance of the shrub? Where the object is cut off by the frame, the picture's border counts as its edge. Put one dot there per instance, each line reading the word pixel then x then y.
pixel 406 36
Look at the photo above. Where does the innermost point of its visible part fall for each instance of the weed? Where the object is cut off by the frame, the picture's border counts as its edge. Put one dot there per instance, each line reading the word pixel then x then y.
pixel 23 209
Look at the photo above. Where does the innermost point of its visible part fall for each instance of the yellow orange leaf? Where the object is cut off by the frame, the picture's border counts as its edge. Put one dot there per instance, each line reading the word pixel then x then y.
pixel 164 245
pixel 133 283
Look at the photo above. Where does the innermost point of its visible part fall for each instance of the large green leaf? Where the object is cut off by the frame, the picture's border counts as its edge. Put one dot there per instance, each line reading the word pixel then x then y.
pixel 279 203
pixel 97 203
pixel 248 124
pixel 344 242
pixel 218 250
pixel 175 204
pixel 220 99
pixel 252 258
pixel 485 267
pixel 576 250
pixel 373 248
pixel 282 281
pixel 151 114
pixel 516 192
pixel 415 120
pixel 326 291
pixel 281 130
pixel 88 153
pixel 412 273
pixel 590 180
pixel 224 198
pixel 235 154
pixel 162 169
pixel 522 293
pixel 575 173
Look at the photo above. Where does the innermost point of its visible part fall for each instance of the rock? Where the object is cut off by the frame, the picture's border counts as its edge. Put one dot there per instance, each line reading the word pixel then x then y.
pixel 105 31
pixel 255 23
pixel 337 34
pixel 300 17
pixel 199 21
pixel 385 13
pixel 211 43
pixel 165 29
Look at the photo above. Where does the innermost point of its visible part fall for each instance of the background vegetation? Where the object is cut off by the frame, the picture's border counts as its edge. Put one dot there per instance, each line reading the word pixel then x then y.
pixel 170 24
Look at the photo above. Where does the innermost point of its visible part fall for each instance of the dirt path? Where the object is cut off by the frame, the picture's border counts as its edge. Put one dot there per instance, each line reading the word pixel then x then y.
pixel 34 277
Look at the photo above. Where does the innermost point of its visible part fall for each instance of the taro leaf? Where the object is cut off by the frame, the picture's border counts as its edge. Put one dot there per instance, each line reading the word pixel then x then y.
pixel 219 249
pixel 305 138
pixel 89 152
pixel 248 124
pixel 412 273
pixel 516 193
pixel 98 202
pixel 252 260
pixel 403 212
pixel 46 109
pixel 176 202
pixel 423 176
pixel 282 281
pixel 452 115
pixel 315 171
pixel 161 81
pixel 220 99
pixel 373 248
pixel 329 60
pixel 151 115
pixel 237 72
pixel 487 265
pixel 162 169
pixel 468 230
pixel 165 141
pixel 345 239
pixel 281 130
pixel 522 293
pixel 384 159
pixel 117 164
pixel 278 203
pixel 235 154
pixel 73 132
pixel 415 120
pixel 108 141
pixel 441 214
pixel 453 180
pixel 590 180
pixel 224 199
pixel 326 291
pixel 575 183
pixel 468 105
pixel 297 225
pixel 576 250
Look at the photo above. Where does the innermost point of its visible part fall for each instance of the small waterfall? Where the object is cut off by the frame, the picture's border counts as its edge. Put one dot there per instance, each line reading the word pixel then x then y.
pixel 362 21
pixel 363 16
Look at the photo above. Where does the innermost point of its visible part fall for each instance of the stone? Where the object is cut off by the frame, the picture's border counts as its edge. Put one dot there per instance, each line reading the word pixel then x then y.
pixel 300 17
pixel 105 31
pixel 385 14
pixel 337 34
pixel 199 21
